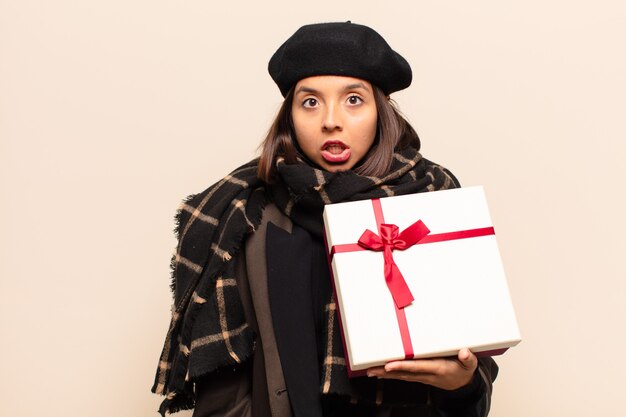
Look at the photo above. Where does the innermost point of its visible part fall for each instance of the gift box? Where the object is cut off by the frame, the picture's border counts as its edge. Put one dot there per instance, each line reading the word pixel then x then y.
pixel 418 276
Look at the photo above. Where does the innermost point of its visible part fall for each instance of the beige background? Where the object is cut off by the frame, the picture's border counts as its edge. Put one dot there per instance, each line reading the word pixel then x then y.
pixel 112 111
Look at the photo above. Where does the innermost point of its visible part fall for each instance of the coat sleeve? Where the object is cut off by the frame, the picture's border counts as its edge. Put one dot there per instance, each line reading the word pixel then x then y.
pixel 225 393
pixel 473 400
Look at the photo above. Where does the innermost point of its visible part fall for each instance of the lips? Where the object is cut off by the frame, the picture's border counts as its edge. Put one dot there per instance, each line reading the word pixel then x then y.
pixel 335 151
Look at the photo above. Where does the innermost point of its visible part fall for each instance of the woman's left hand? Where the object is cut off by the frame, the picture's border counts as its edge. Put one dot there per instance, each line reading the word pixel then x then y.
pixel 445 373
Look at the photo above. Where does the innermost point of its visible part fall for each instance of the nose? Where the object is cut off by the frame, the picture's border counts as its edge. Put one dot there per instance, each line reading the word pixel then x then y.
pixel 332 118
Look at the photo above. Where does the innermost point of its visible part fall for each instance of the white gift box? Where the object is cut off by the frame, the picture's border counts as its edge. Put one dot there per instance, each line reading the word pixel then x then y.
pixel 454 274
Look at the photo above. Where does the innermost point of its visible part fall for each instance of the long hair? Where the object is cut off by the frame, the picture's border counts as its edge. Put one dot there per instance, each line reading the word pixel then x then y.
pixel 393 132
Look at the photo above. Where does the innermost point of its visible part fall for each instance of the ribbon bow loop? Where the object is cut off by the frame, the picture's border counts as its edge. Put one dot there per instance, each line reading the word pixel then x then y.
pixel 389 233
pixel 389 240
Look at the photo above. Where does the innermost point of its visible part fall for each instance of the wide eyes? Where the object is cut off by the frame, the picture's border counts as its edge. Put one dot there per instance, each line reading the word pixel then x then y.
pixel 352 100
pixel 309 102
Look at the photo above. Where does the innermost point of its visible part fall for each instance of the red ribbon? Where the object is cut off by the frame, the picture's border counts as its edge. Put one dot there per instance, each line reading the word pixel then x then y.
pixel 389 240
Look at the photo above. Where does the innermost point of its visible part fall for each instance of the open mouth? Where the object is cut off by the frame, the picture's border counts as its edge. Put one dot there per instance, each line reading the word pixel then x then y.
pixel 335 151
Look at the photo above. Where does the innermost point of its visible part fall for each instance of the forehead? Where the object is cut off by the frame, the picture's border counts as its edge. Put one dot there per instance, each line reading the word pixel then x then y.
pixel 332 84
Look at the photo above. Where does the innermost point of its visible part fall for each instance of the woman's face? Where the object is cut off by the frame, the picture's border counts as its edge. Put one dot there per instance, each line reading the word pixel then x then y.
pixel 335 120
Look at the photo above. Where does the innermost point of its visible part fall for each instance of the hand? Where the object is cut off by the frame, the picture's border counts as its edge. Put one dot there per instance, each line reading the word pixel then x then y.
pixel 445 373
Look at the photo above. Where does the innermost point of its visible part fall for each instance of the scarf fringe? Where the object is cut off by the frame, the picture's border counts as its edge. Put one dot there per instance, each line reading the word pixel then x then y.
pixel 177 232
pixel 176 401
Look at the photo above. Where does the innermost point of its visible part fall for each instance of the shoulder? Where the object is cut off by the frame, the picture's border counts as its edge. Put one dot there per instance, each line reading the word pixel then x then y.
pixel 210 204
pixel 442 177
pixel 241 178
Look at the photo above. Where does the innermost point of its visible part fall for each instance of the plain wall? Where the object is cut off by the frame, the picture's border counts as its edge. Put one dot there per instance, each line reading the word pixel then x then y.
pixel 112 111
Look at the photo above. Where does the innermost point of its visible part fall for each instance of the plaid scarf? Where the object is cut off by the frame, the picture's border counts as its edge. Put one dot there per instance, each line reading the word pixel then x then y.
pixel 212 226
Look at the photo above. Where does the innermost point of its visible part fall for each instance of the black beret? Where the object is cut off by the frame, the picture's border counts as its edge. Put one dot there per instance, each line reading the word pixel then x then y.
pixel 344 49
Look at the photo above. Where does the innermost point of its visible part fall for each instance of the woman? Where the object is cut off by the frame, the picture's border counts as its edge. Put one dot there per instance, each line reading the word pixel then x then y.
pixel 253 331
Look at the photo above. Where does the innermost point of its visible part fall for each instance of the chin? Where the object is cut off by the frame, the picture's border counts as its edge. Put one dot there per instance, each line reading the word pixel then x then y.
pixel 337 168
pixel 344 166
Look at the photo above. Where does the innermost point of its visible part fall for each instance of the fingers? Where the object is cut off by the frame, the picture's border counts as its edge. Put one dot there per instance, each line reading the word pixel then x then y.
pixel 406 376
pixel 424 366
pixel 419 370
pixel 447 373
pixel 468 360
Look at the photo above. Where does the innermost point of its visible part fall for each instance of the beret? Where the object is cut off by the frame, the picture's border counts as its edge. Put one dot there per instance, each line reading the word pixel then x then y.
pixel 345 49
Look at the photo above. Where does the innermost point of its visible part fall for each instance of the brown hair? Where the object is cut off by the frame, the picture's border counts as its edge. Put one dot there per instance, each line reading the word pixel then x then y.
pixel 394 132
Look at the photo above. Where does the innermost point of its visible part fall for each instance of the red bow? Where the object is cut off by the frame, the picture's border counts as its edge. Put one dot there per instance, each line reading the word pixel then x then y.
pixel 389 240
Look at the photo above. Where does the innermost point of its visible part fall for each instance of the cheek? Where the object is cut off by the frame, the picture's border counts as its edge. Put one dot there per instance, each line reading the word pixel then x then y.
pixel 370 128
pixel 304 135
pixel 306 131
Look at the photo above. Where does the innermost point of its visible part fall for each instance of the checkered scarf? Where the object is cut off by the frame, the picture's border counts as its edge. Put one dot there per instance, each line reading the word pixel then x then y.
pixel 213 225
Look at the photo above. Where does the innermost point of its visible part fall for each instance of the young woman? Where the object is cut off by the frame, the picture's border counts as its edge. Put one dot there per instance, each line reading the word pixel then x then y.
pixel 254 327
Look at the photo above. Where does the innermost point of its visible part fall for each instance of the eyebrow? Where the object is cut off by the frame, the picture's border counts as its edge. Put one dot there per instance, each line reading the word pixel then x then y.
pixel 310 90
pixel 307 90
pixel 355 86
